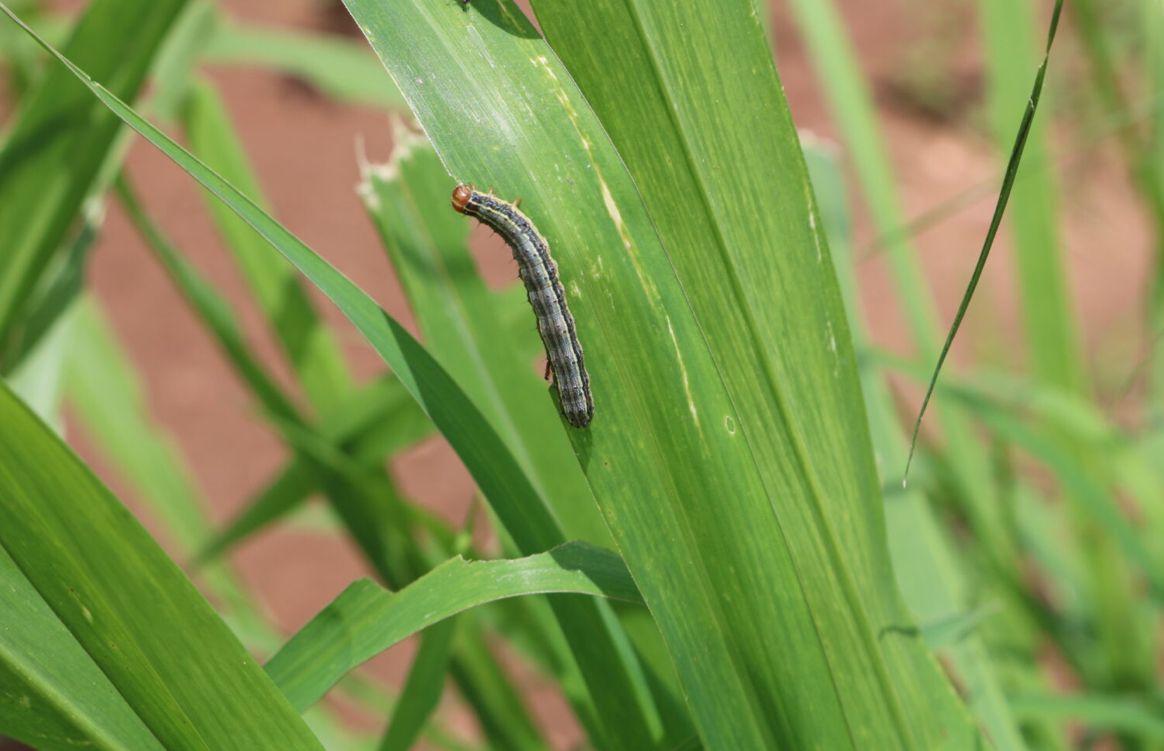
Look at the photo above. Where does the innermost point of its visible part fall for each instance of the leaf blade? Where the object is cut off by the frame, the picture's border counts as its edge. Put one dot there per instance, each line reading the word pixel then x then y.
pixel 110 584
pixel 366 619
pixel 57 147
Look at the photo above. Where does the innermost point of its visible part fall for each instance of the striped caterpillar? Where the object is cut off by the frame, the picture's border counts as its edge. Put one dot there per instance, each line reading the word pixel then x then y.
pixel 539 273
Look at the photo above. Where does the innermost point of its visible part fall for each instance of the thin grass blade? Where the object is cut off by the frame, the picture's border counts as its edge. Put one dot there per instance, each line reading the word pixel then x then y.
pixel 422 690
pixel 1010 36
pixel 1012 168
pixel 58 145
pixel 308 344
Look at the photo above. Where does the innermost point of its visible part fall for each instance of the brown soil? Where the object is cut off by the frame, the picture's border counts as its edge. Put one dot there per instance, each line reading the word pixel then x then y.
pixel 296 139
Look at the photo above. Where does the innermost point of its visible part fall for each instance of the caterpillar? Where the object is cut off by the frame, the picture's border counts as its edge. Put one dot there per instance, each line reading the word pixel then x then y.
pixel 546 296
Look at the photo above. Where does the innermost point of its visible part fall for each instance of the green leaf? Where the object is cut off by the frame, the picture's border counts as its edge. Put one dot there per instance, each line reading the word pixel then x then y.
pixel 62 138
pixel 52 695
pixel 367 619
pixel 139 619
pixel 1012 167
pixel 494 468
pixel 106 396
pixel 422 691
pixel 931 578
pixel 307 342
pixel 1011 38
pixel 366 501
pixel 702 124
pixel 338 68
pixel 408 199
pixel 851 101
pixel 1099 713
pixel 669 434
pixel 372 423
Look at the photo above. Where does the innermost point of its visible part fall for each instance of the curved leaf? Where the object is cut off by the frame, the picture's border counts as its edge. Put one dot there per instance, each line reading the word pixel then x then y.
pixel 367 619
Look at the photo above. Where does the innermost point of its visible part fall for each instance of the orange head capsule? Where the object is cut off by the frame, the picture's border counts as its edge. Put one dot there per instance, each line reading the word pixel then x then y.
pixel 461 196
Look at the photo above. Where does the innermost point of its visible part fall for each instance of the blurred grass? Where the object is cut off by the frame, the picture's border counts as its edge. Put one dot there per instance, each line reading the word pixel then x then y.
pixel 963 459
pixel 20 59
pixel 1086 471
pixel 1052 343
pixel 339 68
pixel 1140 146
pixel 62 137
pixel 307 344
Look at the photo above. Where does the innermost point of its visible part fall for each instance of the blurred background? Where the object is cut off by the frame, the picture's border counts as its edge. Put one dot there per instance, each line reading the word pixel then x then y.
pixel 928 67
